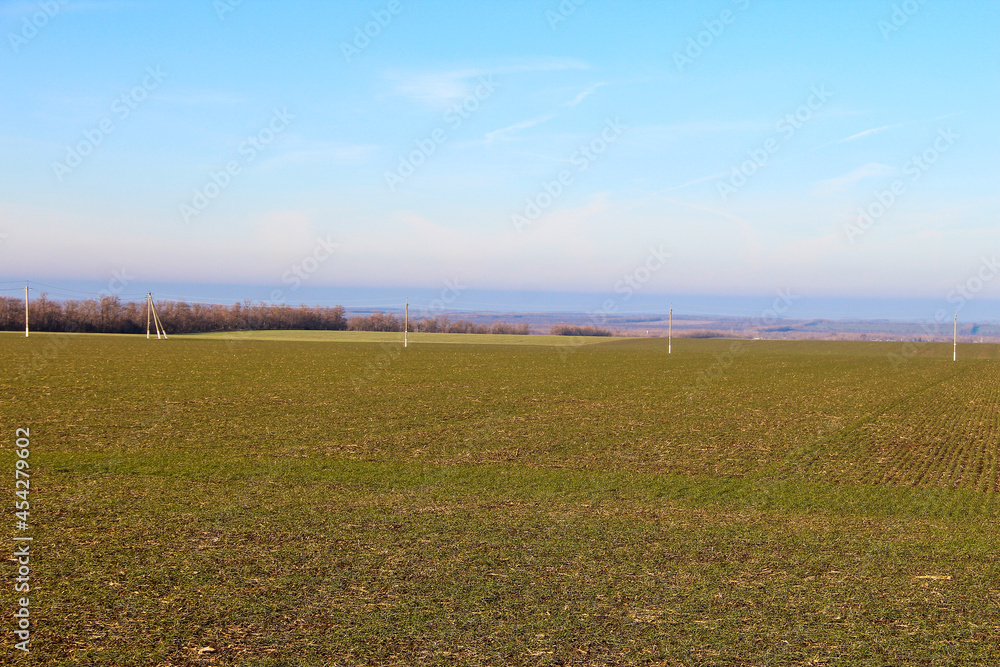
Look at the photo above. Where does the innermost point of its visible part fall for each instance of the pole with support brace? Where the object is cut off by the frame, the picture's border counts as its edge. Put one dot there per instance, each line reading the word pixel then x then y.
pixel 151 310
pixel 159 324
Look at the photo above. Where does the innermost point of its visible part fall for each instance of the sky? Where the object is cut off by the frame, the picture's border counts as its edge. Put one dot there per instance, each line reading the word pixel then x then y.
pixel 637 152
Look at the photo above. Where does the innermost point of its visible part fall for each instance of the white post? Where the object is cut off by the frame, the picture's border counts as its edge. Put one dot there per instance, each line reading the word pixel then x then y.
pixel 149 304
pixel 25 310
pixel 670 329
pixel 954 348
pixel 406 320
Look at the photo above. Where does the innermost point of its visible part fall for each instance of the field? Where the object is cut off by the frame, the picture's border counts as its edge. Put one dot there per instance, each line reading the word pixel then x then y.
pixel 311 499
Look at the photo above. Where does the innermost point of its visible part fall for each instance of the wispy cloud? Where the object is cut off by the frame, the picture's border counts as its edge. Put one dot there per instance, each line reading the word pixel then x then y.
pixel 841 183
pixel 450 86
pixel 299 151
pixel 687 129
pixel 947 115
pixel 882 128
pixel 586 93
pixel 710 177
pixel 860 135
pixel 505 132
pixel 867 133
pixel 199 98
pixel 749 233
pixel 438 88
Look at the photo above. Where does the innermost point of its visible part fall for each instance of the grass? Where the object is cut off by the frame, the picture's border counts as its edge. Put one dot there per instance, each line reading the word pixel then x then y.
pixel 416 338
pixel 284 502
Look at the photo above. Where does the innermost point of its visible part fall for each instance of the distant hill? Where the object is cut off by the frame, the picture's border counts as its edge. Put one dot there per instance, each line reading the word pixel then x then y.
pixel 686 326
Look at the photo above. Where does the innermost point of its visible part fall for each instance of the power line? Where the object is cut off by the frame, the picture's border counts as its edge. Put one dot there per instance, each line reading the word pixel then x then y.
pixel 66 289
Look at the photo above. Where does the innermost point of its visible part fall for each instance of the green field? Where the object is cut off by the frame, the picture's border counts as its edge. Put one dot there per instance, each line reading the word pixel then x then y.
pixel 302 498
pixel 396 338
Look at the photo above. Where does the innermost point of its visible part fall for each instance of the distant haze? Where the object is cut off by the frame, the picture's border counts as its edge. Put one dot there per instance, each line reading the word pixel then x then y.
pixel 444 301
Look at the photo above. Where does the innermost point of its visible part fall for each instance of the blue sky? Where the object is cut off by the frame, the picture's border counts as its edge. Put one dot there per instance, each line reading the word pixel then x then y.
pixel 532 146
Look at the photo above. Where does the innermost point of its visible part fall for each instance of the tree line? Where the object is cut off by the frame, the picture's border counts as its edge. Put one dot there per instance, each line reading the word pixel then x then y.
pixel 578 330
pixel 439 324
pixel 109 314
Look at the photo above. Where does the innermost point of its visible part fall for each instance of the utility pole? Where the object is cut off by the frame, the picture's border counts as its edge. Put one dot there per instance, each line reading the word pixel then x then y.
pixel 151 310
pixel 670 329
pixel 159 324
pixel 954 348
pixel 26 309
pixel 406 320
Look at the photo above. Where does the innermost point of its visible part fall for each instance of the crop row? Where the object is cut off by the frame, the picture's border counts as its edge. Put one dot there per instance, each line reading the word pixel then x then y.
pixel 942 436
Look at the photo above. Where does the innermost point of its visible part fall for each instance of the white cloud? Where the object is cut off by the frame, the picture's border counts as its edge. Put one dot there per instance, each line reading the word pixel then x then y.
pixel 844 182
pixel 439 88
pixel 869 132
pixel 746 228
pixel 586 93
pixel 443 88
pixel 505 132
pixel 298 150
